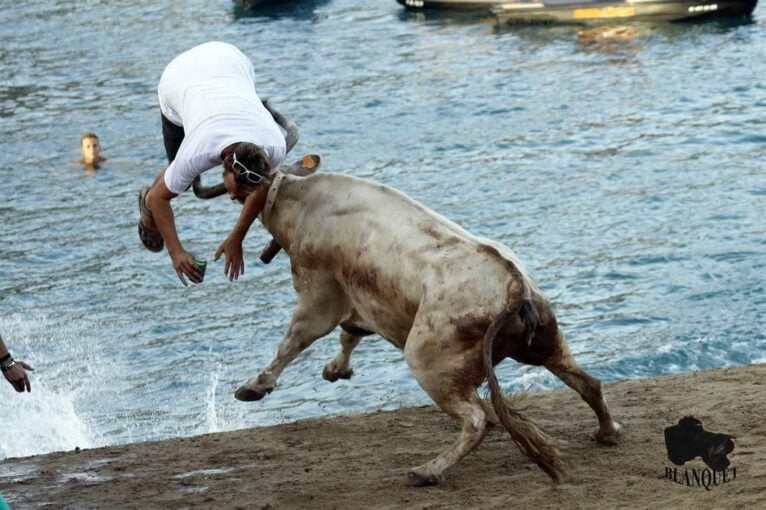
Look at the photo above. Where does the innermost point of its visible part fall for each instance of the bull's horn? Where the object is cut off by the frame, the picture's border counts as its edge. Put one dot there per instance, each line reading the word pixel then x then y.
pixel 201 191
pixel 291 130
pixel 291 138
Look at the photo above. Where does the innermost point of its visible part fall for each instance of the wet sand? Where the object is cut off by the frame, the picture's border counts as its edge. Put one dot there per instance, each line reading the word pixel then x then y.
pixel 351 462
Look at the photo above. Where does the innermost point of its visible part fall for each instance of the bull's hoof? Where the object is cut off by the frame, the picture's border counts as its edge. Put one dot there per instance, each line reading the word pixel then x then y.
pixel 612 437
pixel 332 375
pixel 420 480
pixel 246 394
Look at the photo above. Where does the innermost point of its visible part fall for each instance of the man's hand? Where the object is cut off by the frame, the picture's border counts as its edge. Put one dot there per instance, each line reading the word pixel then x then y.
pixel 183 263
pixel 232 246
pixel 235 261
pixel 18 378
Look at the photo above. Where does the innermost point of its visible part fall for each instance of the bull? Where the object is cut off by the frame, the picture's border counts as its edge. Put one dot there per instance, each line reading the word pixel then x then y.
pixel 371 260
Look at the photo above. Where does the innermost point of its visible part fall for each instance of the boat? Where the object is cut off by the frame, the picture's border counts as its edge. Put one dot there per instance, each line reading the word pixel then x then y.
pixel 587 11
pixel 584 11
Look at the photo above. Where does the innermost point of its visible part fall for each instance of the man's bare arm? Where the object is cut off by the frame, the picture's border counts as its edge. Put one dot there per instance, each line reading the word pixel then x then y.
pixel 158 201
pixel 232 246
pixel 253 206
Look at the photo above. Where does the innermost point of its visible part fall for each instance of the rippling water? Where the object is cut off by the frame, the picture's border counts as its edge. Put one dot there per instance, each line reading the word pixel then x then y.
pixel 625 165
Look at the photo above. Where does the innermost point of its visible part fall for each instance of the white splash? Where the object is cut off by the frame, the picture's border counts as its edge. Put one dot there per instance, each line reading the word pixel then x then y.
pixel 39 422
pixel 211 415
pixel 46 419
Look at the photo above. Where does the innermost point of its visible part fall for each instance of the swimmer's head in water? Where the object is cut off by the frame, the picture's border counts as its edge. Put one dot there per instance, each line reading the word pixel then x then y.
pixel 90 148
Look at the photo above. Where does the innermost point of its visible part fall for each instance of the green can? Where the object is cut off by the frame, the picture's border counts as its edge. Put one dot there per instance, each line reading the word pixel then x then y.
pixel 202 265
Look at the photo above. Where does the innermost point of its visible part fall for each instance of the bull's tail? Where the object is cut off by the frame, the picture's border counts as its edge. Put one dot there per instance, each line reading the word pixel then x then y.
pixel 534 443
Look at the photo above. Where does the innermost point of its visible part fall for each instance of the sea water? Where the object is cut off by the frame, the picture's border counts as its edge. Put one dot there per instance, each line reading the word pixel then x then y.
pixel 624 164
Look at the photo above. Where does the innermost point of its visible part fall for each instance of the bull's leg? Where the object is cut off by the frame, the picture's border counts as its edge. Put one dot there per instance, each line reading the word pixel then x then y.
pixel 450 379
pixel 566 368
pixel 492 418
pixel 340 366
pixel 473 427
pixel 316 315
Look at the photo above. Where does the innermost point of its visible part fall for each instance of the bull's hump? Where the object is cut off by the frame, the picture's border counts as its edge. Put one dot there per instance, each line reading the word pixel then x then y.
pixel 339 194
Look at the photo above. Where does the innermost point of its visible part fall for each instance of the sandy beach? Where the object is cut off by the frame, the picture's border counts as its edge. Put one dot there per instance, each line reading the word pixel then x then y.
pixel 360 461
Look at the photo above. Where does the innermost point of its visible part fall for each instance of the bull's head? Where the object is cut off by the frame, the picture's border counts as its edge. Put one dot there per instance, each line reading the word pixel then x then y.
pixel 307 166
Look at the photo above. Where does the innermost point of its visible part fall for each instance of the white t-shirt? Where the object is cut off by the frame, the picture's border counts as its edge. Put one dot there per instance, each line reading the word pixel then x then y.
pixel 210 91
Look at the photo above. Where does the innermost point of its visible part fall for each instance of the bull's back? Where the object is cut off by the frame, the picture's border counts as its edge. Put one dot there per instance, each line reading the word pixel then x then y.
pixel 388 251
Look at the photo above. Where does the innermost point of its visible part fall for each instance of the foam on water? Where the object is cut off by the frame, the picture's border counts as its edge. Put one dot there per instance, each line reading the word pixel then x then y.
pixel 212 414
pixel 52 417
pixel 45 421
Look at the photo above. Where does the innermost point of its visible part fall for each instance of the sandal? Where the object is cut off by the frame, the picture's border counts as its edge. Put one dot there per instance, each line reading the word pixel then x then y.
pixel 151 239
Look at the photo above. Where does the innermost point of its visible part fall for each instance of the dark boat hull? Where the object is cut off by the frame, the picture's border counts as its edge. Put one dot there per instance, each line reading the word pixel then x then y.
pixel 584 11
pixel 252 4
pixel 461 5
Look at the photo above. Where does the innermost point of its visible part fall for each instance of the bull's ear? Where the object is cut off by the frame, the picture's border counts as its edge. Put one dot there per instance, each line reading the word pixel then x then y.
pixel 307 165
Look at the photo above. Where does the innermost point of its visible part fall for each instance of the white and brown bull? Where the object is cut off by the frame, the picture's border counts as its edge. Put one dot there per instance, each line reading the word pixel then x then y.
pixel 370 259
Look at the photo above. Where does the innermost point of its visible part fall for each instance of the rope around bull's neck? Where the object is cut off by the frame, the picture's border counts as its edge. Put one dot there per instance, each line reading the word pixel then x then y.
pixel 271 197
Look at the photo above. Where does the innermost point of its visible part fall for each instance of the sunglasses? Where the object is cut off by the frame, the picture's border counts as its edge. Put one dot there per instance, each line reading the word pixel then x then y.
pixel 241 170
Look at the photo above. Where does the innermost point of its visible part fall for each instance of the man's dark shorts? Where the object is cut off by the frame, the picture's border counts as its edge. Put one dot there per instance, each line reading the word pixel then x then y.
pixel 172 135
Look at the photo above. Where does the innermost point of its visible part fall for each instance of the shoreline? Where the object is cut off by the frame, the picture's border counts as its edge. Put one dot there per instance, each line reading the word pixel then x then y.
pixel 361 460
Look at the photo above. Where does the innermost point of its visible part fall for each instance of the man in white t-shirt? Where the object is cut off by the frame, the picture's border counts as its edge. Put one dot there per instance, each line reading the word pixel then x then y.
pixel 211 115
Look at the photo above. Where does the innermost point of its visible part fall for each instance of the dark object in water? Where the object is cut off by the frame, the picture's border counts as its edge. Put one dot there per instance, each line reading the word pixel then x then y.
pixel 588 11
pixel 251 4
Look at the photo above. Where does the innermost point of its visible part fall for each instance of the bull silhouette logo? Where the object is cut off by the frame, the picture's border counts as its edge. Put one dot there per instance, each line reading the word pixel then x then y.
pixel 688 440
